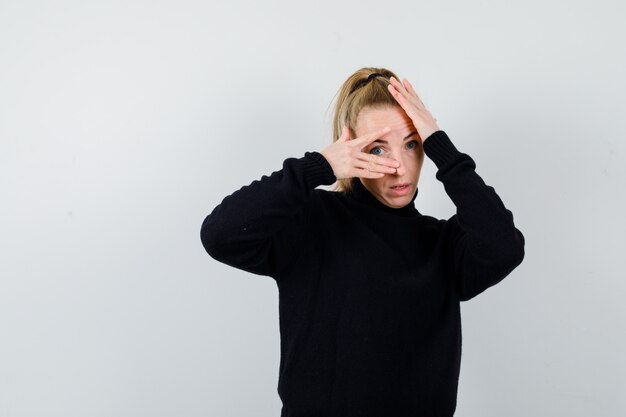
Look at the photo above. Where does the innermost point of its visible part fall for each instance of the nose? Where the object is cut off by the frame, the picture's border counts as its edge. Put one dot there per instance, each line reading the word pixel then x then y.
pixel 400 170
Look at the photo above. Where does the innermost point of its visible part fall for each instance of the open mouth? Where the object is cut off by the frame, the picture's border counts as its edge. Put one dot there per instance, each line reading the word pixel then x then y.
pixel 401 189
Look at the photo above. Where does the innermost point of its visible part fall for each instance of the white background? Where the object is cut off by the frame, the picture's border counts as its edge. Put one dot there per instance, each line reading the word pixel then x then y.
pixel 123 123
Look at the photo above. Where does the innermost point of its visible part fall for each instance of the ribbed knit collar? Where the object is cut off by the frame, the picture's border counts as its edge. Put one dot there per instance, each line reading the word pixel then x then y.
pixel 362 194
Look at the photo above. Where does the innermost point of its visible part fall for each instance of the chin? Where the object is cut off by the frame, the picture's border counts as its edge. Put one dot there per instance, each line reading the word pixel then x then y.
pixel 398 202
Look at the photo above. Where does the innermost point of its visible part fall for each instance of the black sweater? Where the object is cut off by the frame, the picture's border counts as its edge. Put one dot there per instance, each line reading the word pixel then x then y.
pixel 369 295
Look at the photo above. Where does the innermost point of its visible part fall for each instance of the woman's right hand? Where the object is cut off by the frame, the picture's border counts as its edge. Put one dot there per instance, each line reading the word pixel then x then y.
pixel 347 159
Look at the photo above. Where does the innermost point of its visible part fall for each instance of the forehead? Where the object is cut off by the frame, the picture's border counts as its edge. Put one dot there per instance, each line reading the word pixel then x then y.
pixel 371 119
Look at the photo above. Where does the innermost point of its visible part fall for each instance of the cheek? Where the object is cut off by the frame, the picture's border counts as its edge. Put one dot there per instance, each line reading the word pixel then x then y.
pixel 418 160
pixel 374 183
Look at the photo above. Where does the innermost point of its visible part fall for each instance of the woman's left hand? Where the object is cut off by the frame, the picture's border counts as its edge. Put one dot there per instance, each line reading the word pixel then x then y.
pixel 406 96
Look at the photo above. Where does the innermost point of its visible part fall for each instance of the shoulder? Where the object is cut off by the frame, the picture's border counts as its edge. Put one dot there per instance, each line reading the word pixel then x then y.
pixel 449 230
pixel 327 197
pixel 441 229
pixel 329 204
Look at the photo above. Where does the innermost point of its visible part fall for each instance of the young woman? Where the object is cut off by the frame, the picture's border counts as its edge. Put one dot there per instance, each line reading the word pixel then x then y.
pixel 369 287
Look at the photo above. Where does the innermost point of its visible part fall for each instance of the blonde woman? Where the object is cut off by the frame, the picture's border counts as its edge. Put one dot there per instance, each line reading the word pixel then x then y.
pixel 369 287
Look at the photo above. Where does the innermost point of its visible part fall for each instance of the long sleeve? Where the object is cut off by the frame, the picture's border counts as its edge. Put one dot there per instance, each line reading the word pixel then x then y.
pixel 258 228
pixel 485 244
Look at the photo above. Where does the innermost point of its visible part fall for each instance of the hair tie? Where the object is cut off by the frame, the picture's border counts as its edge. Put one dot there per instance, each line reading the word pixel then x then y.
pixel 362 82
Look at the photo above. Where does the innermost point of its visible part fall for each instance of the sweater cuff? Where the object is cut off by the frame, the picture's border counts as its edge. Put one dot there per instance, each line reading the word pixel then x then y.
pixel 317 169
pixel 440 148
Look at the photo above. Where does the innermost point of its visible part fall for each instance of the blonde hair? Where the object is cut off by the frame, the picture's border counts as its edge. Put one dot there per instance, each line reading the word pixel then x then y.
pixel 355 94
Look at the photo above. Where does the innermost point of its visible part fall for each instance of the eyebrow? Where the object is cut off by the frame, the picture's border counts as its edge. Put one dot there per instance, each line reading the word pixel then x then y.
pixel 384 141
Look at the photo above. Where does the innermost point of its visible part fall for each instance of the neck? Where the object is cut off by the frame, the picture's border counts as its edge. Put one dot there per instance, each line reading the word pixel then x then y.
pixel 363 195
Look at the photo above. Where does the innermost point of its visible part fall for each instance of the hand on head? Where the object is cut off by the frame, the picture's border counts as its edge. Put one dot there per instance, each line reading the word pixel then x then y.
pixel 405 95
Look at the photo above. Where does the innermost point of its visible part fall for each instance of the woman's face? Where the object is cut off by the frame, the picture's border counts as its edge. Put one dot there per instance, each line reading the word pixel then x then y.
pixel 402 143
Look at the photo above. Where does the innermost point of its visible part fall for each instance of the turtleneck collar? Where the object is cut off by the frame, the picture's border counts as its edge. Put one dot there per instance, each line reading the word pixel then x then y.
pixel 362 194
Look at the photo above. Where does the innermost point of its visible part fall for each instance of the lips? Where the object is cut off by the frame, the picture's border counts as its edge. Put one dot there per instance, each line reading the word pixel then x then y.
pixel 400 190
